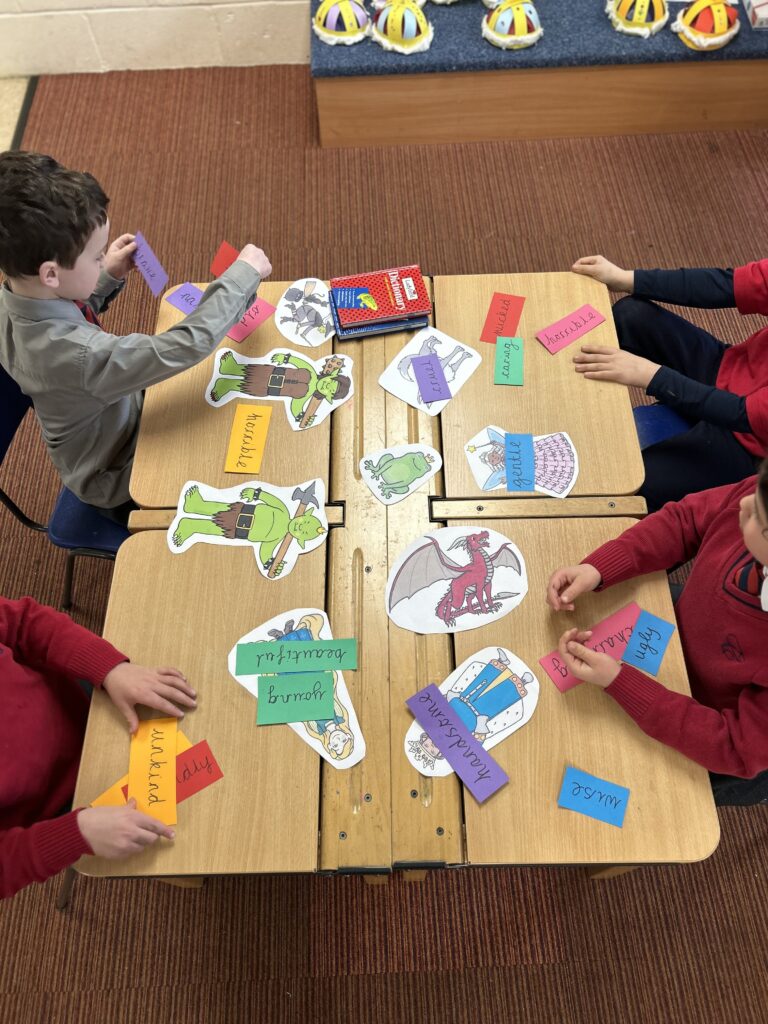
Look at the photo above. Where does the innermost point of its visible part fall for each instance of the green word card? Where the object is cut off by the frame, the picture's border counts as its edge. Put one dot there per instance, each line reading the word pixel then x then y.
pixel 297 697
pixel 509 361
pixel 295 656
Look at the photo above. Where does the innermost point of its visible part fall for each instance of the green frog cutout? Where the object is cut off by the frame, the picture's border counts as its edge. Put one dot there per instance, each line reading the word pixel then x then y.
pixel 394 474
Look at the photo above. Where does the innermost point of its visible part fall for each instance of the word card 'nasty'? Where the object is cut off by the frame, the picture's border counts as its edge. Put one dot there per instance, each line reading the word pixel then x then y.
pixel 503 317
pixel 586 794
pixel 152 769
pixel 570 328
pixel 149 265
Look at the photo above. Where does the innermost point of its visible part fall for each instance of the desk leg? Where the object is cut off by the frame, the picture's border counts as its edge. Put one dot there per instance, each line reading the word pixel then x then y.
pixel 65 890
pixel 602 873
pixel 193 882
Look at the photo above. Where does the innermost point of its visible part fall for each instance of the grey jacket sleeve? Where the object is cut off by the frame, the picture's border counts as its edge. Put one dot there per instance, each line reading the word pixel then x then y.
pixel 107 288
pixel 117 365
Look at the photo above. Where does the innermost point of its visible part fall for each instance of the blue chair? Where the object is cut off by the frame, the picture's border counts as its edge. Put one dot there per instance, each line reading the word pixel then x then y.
pixel 656 423
pixel 78 528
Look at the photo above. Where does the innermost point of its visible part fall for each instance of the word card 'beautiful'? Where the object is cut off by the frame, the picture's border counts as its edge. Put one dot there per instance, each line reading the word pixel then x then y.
pixel 255 315
pixel 503 317
pixel 610 636
pixel 295 697
pixel 594 797
pixel 151 769
pixel 430 379
pixel 508 367
pixel 186 297
pixel 519 462
pixel 295 656
pixel 475 767
pixel 247 438
pixel 570 328
pixel 149 265
pixel 648 643
pixel 225 256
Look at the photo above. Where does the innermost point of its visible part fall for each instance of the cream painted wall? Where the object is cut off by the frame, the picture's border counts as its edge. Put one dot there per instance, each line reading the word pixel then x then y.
pixel 39 37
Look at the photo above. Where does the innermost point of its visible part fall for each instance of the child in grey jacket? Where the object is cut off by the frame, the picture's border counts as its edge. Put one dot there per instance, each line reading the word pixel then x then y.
pixel 86 384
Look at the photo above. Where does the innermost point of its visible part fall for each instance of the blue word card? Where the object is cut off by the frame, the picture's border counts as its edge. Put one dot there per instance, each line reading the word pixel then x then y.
pixel 649 640
pixel 519 462
pixel 586 794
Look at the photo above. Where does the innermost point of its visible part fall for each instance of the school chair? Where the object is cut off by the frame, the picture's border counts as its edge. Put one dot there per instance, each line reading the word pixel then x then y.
pixel 656 423
pixel 74 526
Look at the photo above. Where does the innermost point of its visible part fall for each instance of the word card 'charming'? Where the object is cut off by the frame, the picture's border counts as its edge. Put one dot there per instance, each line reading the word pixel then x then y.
pixel 570 328
pixel 149 265
pixel 586 794
pixel 610 636
pixel 186 298
pixel 475 767
pixel 152 769
pixel 648 642
pixel 503 317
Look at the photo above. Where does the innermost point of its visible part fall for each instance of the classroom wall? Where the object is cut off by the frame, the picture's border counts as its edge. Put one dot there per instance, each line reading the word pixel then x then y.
pixel 61 36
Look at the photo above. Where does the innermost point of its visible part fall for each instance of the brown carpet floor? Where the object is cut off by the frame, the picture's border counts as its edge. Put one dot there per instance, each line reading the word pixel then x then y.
pixel 191 157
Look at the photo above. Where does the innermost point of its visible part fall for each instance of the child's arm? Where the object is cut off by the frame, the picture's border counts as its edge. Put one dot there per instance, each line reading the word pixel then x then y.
pixel 117 365
pixel 707 288
pixel 733 741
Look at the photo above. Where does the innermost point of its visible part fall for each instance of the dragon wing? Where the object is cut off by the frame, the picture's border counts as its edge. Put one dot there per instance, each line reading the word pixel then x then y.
pixel 421 569
pixel 505 556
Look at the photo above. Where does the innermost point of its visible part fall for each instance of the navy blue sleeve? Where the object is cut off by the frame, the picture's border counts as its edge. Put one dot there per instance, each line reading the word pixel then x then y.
pixel 705 288
pixel 700 401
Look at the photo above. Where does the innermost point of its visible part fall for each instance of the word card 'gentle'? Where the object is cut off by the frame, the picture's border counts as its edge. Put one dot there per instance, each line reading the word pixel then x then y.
pixel 295 697
pixel 430 379
pixel 247 438
pixel 648 642
pixel 610 636
pixel 149 265
pixel 586 794
pixel 186 297
pixel 503 317
pixel 570 328
pixel 520 462
pixel 225 256
pixel 151 769
pixel 253 316
pixel 475 767
pixel 508 368
pixel 295 656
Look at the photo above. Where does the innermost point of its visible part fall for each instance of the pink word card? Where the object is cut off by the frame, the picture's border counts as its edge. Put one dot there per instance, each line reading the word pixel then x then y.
pixel 610 636
pixel 571 327
pixel 257 314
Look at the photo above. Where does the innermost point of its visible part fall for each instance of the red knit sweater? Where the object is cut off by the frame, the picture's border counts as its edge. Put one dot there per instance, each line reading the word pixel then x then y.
pixel 43 712
pixel 723 630
pixel 744 368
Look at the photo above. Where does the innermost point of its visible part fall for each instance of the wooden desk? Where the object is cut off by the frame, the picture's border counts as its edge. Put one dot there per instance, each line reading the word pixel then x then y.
pixel 596 414
pixel 183 438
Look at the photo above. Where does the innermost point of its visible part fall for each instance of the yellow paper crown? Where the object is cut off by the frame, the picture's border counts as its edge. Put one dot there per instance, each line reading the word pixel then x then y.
pixel 707 24
pixel 341 21
pixel 512 25
pixel 401 25
pixel 637 17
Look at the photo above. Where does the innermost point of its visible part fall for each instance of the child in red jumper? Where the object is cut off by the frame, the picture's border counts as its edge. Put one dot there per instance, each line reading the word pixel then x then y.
pixel 43 711
pixel 720 390
pixel 722 615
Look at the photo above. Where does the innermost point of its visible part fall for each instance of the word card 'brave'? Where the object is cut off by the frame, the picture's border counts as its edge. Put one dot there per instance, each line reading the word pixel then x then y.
pixel 152 769
pixel 149 265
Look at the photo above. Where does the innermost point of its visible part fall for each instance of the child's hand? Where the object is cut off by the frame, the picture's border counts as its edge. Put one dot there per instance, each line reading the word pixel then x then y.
pixel 116 832
pixel 589 666
pixel 158 688
pixel 257 259
pixel 601 269
pixel 566 584
pixel 599 362
pixel 118 261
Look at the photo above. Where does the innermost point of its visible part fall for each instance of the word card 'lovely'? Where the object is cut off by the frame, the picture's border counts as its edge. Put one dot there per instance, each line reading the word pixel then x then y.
pixel 610 636
pixel 475 767
pixel 503 317
pixel 570 328
pixel 149 266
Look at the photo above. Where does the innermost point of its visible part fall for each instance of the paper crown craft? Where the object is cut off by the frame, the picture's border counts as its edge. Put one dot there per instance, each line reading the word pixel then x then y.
pixel 707 24
pixel 400 25
pixel 512 25
pixel 637 17
pixel 341 21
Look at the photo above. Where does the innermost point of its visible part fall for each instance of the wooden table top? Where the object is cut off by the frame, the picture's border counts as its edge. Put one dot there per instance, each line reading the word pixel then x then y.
pixel 188 611
pixel 183 438
pixel 596 414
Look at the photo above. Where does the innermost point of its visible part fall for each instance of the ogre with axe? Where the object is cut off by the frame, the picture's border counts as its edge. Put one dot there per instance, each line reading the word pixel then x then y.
pixel 302 527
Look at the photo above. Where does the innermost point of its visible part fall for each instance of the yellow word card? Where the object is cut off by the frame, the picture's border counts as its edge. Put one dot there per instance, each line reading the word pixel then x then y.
pixel 116 795
pixel 152 769
pixel 247 438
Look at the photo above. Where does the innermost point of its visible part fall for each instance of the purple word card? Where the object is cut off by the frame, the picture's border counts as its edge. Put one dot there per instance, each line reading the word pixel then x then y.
pixel 475 767
pixel 149 266
pixel 433 387
pixel 186 297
